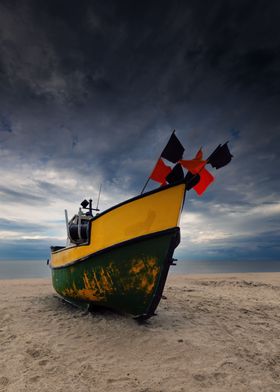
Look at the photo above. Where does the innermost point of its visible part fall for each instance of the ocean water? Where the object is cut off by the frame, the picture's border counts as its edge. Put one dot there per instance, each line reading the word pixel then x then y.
pixel 23 269
pixel 215 267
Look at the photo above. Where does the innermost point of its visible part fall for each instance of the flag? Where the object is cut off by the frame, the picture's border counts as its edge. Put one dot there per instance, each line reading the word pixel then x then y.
pixel 206 179
pixel 220 157
pixel 199 154
pixel 174 150
pixel 194 165
pixel 161 170
pixel 177 174
pixel 191 180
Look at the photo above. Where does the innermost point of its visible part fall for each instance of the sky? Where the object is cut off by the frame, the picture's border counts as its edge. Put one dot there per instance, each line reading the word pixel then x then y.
pixel 90 92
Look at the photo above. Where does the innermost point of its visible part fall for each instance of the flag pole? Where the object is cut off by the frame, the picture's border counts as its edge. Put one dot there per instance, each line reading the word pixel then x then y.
pixel 146 183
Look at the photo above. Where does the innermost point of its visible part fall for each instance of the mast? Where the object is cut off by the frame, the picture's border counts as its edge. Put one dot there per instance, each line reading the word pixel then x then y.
pixel 146 183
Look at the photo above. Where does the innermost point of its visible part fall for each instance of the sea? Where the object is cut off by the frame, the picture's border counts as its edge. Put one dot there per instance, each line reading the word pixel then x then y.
pixel 27 269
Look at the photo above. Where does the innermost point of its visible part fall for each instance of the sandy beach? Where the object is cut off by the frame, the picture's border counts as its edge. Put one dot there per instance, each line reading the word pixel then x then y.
pixel 212 333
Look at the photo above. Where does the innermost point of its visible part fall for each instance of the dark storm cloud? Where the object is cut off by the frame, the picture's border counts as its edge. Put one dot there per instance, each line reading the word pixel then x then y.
pixel 5 125
pixel 94 88
pixel 262 246
pixel 108 61
pixel 51 191
pixel 11 225
pixel 25 249
pixel 12 196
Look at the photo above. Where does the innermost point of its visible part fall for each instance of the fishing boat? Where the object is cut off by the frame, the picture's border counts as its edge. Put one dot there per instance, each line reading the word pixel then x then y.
pixel 120 258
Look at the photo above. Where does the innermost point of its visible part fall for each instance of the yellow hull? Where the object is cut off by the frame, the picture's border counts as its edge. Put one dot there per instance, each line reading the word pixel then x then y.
pixel 151 213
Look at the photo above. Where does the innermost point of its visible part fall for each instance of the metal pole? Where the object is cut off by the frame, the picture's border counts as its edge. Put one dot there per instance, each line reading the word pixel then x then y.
pixel 145 185
pixel 98 198
pixel 67 223
pixel 79 223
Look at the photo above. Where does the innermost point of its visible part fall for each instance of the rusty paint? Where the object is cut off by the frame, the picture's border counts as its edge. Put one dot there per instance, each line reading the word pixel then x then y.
pixel 86 281
pixel 138 266
pixel 126 279
pixel 142 276
pixel 106 281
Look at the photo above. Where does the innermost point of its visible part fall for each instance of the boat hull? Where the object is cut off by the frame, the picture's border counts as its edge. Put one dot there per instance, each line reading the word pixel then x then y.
pixel 129 278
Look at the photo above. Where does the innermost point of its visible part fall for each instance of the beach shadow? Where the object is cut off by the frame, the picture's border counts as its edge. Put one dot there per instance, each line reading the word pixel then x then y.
pixel 58 304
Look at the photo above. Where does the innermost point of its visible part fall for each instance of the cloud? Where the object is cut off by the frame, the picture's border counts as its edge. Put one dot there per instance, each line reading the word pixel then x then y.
pixel 5 125
pixel 90 94
pixel 12 196
pixel 28 249
pixel 12 225
pixel 231 232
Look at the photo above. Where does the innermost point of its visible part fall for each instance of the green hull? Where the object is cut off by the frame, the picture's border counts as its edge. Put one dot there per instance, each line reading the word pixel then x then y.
pixel 128 278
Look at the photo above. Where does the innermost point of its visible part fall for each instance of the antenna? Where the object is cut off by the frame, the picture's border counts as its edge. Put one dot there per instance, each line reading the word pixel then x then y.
pixel 87 205
pixel 97 209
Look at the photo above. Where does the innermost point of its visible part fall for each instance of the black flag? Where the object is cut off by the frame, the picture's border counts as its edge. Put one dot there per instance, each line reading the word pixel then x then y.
pixel 177 174
pixel 191 180
pixel 174 150
pixel 220 157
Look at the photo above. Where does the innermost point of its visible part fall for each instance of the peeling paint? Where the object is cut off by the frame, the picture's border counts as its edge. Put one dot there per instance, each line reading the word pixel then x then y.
pixel 86 281
pixel 125 279
pixel 138 266
pixel 142 276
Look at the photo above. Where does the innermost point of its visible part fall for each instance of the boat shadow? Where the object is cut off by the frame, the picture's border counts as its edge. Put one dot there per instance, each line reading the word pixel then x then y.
pixel 57 304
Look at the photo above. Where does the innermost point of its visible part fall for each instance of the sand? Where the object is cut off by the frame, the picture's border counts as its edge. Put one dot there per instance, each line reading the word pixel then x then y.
pixel 212 333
